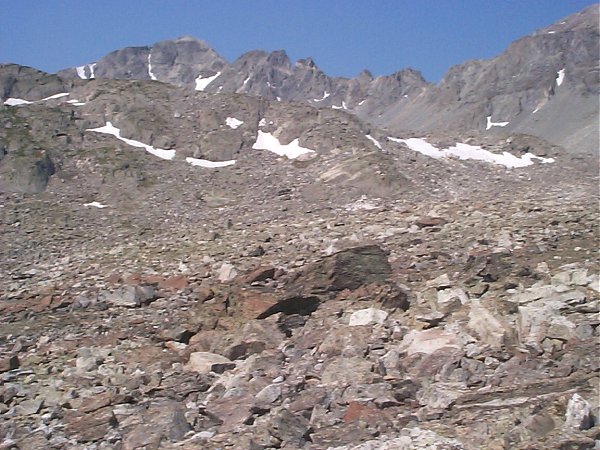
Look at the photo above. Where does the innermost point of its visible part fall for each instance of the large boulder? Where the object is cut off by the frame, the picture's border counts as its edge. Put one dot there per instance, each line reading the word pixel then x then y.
pixel 347 269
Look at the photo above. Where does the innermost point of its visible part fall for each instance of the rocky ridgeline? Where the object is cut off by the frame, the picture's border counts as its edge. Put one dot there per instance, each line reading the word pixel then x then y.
pixel 545 84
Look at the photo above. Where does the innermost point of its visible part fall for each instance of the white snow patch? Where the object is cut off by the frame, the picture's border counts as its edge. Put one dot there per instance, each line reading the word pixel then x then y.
pixel 344 105
pixel 560 77
pixel 374 141
pixel 96 205
pixel 209 164
pixel 52 97
pixel 233 123
pixel 81 72
pixel 19 101
pixel 336 107
pixel 75 102
pixel 551 32
pixel 92 70
pixel 150 73
pixel 537 108
pixel 325 95
pixel 262 122
pixel 246 81
pixel 491 124
pixel 475 152
pixel 109 128
pixel 266 141
pixel 421 146
pixel 202 83
pixel 278 99
pixel 361 102
pixel 16 102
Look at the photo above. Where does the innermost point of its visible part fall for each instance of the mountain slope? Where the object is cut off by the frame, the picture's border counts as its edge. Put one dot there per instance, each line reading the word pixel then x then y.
pixel 545 84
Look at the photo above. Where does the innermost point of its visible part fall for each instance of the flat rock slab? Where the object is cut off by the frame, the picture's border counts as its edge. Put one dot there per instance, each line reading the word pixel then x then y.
pixel 205 362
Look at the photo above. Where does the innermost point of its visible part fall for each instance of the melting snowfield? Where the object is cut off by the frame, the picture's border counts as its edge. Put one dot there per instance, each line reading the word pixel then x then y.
pixel 202 83
pixel 233 123
pixel 109 128
pixel 266 141
pixel 491 124
pixel 209 164
pixel 19 101
pixel 374 141
pixel 560 77
pixel 475 152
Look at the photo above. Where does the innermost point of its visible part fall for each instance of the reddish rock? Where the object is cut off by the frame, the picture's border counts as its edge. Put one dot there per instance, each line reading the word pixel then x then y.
pixel 133 278
pixel 177 282
pixel 114 278
pixel 261 273
pixel 204 293
pixel 251 304
pixel 90 427
pixel 427 222
pixel 365 412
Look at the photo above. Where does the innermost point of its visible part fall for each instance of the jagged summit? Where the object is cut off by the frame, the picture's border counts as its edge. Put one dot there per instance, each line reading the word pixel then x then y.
pixel 523 87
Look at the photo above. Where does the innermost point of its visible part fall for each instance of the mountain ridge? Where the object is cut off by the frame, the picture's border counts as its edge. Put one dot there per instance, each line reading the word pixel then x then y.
pixel 510 87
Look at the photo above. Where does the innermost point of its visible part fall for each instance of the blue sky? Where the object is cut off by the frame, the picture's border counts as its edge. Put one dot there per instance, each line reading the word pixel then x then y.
pixel 343 37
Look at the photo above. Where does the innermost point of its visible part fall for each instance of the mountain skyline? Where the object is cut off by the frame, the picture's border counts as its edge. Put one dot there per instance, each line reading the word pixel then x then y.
pixel 343 38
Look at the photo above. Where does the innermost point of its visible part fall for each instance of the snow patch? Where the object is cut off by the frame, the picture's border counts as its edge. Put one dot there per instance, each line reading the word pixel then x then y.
pixel 202 83
pixel 233 123
pixel 246 81
pixel 109 128
pixel 81 72
pixel 266 141
pixel 560 77
pixel 325 95
pixel 16 102
pixel 96 205
pixel 19 101
pixel 52 97
pixel 361 102
pixel 475 152
pixel 551 32
pixel 209 164
pixel 491 124
pixel 262 122
pixel 374 141
pixel 150 73
pixel 75 102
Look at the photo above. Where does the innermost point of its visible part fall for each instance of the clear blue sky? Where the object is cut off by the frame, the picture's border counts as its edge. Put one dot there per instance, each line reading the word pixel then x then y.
pixel 343 37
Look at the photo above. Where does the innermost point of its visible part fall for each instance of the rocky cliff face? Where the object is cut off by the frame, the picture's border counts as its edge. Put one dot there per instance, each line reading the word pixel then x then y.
pixel 545 84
